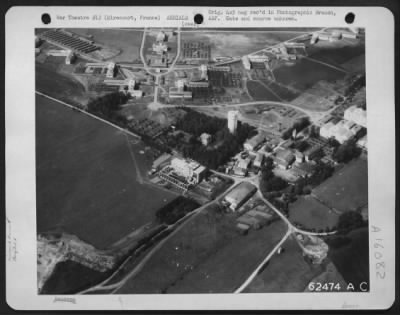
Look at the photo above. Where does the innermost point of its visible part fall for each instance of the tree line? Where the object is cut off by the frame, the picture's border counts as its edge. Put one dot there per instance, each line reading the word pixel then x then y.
pixel 176 209
pixel 106 105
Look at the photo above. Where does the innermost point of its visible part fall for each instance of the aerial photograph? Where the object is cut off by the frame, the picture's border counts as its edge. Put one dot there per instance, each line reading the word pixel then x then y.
pixel 199 160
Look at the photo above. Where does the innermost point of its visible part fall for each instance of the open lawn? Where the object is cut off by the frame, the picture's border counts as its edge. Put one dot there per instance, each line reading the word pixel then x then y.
pixel 207 256
pixel 312 214
pixel 347 189
pixel 285 272
pixel 87 183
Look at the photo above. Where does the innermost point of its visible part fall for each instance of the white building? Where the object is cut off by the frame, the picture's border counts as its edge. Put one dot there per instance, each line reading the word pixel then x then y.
pixel 161 37
pixel 191 170
pixel 69 58
pixel 258 58
pixel 299 157
pixel 258 160
pixel 205 138
pixel 314 38
pixel 238 195
pixel 110 70
pixel 357 115
pixel 233 120
pixel 363 143
pixel 342 131
pixel 136 93
pixel 246 62
pixel 349 35
pixel 203 69
pixel 244 163
pixel 160 48
pixel 180 84
pixel 252 143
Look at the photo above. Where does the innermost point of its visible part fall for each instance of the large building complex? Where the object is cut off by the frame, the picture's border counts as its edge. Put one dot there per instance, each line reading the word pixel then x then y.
pixel 357 115
pixel 189 169
pixel 342 131
pixel 69 40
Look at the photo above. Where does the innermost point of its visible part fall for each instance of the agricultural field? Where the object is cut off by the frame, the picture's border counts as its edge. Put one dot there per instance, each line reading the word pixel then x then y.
pixel 207 256
pixel 347 189
pixel 285 272
pixel 320 97
pixel 312 214
pixel 260 92
pixel 127 40
pixel 87 180
pixel 305 73
pixel 231 43
pixel 352 258
pixel 339 52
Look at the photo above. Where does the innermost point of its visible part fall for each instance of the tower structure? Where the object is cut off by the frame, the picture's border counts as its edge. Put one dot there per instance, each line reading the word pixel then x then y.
pixel 232 120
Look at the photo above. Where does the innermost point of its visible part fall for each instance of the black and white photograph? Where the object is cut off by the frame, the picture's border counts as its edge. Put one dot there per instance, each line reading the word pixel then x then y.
pixel 210 158
pixel 179 160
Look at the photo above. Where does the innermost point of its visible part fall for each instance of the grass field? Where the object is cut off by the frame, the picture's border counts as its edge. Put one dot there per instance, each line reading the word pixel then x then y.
pixel 51 82
pixel 87 183
pixel 312 214
pixel 206 256
pixel 330 275
pixel 339 52
pixel 305 73
pixel 347 189
pixel 352 259
pixel 259 93
pixel 286 272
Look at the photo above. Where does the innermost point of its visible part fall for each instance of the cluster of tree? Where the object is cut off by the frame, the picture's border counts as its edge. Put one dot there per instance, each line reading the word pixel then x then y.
pixel 268 181
pixel 299 125
pixel 346 151
pixel 227 144
pixel 338 241
pixel 349 220
pixel 300 145
pixel 176 209
pixel 354 84
pixel 322 171
pixel 107 105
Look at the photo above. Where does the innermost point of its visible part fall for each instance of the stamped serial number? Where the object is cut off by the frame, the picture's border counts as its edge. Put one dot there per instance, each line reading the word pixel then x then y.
pixel 324 287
